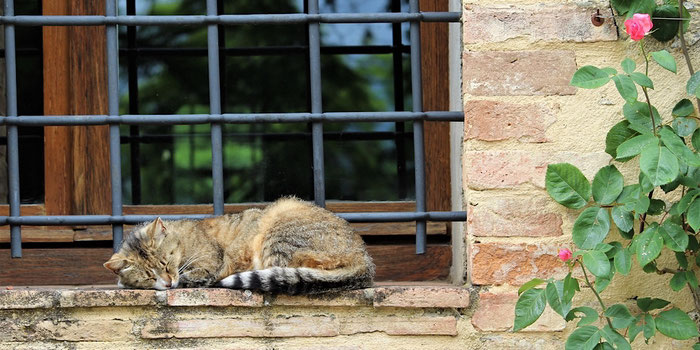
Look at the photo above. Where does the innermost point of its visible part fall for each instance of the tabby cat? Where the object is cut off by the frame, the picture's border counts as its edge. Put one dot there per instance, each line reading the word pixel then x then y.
pixel 290 247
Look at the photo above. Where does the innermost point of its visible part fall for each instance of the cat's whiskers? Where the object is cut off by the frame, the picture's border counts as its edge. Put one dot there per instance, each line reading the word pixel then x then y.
pixel 188 262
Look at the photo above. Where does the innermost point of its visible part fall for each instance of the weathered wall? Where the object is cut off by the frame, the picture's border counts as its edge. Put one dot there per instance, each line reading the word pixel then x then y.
pixel 521 114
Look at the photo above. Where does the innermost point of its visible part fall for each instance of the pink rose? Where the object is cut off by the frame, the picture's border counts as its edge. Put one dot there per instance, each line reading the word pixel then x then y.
pixel 638 26
pixel 565 254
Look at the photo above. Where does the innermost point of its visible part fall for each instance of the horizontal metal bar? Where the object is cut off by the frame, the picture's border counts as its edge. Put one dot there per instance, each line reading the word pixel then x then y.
pixel 287 18
pixel 246 136
pixel 137 219
pixel 260 51
pixel 174 119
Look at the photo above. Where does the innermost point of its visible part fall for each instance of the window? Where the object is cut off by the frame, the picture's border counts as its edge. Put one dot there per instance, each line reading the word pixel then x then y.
pixel 265 71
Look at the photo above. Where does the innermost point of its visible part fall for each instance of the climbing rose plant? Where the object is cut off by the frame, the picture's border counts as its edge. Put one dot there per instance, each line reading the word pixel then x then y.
pixel 666 149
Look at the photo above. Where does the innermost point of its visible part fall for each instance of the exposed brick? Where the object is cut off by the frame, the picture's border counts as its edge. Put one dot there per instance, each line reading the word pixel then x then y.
pixel 507 169
pixel 494 121
pixel 514 264
pixel 523 216
pixel 496 313
pixel 280 326
pixel 497 73
pixel 110 297
pixel 535 23
pixel 414 297
pixel 394 325
pixel 213 297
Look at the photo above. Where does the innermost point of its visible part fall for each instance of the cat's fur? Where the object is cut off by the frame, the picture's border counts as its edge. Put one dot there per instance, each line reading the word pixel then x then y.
pixel 290 247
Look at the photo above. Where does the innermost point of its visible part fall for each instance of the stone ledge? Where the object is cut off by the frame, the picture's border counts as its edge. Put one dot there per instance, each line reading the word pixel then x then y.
pixel 411 296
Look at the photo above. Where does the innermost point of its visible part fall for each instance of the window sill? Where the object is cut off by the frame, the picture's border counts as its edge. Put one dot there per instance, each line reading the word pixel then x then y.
pixel 413 295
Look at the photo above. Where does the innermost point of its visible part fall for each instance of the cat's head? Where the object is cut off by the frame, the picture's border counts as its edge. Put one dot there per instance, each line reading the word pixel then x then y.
pixel 147 259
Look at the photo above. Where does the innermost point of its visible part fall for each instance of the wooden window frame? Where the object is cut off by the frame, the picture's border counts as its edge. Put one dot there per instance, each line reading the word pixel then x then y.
pixel 77 161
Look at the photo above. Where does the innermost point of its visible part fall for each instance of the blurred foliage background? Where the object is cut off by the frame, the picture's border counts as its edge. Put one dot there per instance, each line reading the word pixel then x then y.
pixel 172 164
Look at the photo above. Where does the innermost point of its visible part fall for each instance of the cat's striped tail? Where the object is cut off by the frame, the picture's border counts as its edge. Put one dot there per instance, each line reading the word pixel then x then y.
pixel 299 280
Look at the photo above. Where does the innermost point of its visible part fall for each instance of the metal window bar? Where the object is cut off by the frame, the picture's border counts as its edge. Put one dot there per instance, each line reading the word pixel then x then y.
pixel 111 20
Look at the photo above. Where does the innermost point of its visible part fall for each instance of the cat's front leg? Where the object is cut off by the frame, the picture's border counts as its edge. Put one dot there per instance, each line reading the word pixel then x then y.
pixel 197 278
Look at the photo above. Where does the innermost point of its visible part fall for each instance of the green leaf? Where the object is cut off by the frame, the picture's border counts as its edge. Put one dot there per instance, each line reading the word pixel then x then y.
pixel 567 185
pixel 693 84
pixel 621 6
pixel 665 29
pixel 603 346
pixel 596 262
pixel 626 87
pixel 603 282
pixel 682 260
pixel 589 315
pixel 624 220
pixel 676 145
pixel 607 185
pixel 623 261
pixel 696 346
pixel 621 316
pixel 641 6
pixel 616 136
pixel 645 183
pixel 628 65
pixel 642 80
pixel 665 60
pixel 635 145
pixel 649 326
pixel 634 329
pixel 683 205
pixel 672 185
pixel 591 227
pixel 695 140
pixel 656 207
pixel 649 245
pixel 570 287
pixel 659 164
pixel 648 304
pixel 637 113
pixel 612 336
pixel 692 279
pixel 676 324
pixel 584 338
pixel 589 77
pixel 609 70
pixel 694 215
pixel 678 281
pixel 529 308
pixel 555 297
pixel 683 108
pixel 675 238
pixel 530 284
pixel 684 127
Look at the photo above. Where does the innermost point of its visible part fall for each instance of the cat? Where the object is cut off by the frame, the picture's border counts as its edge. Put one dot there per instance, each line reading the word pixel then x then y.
pixel 290 247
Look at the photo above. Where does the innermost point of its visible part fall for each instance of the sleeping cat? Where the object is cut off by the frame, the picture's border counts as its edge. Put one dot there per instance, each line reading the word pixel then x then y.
pixel 290 247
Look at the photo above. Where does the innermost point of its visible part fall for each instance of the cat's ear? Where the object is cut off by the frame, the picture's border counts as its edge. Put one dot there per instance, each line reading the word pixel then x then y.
pixel 115 263
pixel 157 228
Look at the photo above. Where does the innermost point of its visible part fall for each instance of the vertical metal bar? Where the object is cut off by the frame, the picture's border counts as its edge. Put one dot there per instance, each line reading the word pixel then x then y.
pixel 134 143
pixel 316 107
pixel 215 108
pixel 399 127
pixel 12 132
pixel 418 149
pixel 115 162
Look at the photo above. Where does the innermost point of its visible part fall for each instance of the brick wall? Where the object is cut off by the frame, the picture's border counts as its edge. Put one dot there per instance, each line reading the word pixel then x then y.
pixel 520 115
